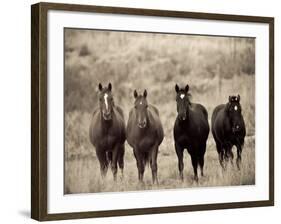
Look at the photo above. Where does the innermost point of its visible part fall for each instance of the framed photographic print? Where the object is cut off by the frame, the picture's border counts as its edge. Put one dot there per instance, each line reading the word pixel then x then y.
pixel 139 111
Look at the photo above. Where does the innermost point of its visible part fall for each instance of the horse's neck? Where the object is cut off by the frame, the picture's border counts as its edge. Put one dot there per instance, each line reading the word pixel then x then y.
pixel 150 119
pixel 183 123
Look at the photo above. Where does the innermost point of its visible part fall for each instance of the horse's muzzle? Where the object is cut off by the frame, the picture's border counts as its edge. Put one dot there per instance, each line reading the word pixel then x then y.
pixel 107 116
pixel 142 124
pixel 182 117
pixel 236 129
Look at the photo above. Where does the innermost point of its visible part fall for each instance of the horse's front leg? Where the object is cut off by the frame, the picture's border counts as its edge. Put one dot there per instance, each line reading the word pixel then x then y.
pixel 101 154
pixel 115 154
pixel 238 160
pixel 153 164
pixel 140 164
pixel 121 159
pixel 179 151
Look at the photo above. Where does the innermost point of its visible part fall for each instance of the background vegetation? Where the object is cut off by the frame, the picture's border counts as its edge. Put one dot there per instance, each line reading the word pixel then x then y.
pixel 214 67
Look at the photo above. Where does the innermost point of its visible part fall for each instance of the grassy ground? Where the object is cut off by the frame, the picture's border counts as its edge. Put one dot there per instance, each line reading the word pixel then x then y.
pixel 214 67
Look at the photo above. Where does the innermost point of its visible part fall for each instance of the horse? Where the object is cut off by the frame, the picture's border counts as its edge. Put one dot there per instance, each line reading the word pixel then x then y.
pixel 191 130
pixel 107 132
pixel 144 134
pixel 228 129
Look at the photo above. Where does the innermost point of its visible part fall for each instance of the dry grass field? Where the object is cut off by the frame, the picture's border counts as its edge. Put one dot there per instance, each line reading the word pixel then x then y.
pixel 214 68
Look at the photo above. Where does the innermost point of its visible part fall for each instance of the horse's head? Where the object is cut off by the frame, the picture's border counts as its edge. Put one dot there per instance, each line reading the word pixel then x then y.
pixel 106 101
pixel 182 101
pixel 234 113
pixel 141 108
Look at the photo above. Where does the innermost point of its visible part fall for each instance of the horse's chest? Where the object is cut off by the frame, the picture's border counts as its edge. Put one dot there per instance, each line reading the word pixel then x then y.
pixel 108 141
pixel 183 140
pixel 146 141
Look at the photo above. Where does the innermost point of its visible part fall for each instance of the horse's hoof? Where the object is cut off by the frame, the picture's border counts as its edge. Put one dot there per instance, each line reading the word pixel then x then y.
pixel 181 177
pixel 141 182
pixel 155 182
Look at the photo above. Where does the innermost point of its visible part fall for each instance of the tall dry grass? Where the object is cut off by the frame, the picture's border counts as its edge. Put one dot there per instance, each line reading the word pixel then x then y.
pixel 214 67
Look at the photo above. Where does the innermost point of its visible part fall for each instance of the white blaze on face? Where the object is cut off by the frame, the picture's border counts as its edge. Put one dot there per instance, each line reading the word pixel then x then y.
pixel 235 108
pixel 182 96
pixel 140 102
pixel 105 101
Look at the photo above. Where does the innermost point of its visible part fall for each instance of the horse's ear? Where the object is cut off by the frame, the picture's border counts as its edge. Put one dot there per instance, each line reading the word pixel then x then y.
pixel 177 88
pixel 145 93
pixel 186 88
pixel 238 98
pixel 109 86
pixel 229 99
pixel 135 94
pixel 100 87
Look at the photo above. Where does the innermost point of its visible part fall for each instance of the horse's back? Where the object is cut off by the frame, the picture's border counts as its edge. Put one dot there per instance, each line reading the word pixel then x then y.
pixel 200 110
pixel 200 117
pixel 131 125
pixel 158 124
pixel 217 112
pixel 120 123
pixel 120 111
pixel 220 123
pixel 217 117
pixel 95 124
pixel 154 109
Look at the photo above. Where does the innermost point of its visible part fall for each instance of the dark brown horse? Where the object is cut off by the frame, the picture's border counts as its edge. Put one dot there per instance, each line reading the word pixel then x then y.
pixel 228 129
pixel 145 134
pixel 191 130
pixel 107 132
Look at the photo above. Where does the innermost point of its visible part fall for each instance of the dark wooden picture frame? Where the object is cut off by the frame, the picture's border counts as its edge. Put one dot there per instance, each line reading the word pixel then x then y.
pixel 39 110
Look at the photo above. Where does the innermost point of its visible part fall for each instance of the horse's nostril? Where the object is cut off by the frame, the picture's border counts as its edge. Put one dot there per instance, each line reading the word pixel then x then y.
pixel 107 113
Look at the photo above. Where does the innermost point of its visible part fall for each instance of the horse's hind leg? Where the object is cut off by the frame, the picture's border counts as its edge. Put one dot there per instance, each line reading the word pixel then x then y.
pixel 121 159
pixel 153 164
pixel 221 154
pixel 103 161
pixel 238 160
pixel 194 160
pixel 179 151
pixel 201 159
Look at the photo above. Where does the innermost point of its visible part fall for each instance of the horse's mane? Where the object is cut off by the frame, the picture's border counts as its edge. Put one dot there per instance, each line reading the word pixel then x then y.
pixel 189 96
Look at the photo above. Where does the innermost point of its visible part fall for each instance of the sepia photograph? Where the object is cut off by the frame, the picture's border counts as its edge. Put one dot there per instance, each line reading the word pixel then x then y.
pixel 152 111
